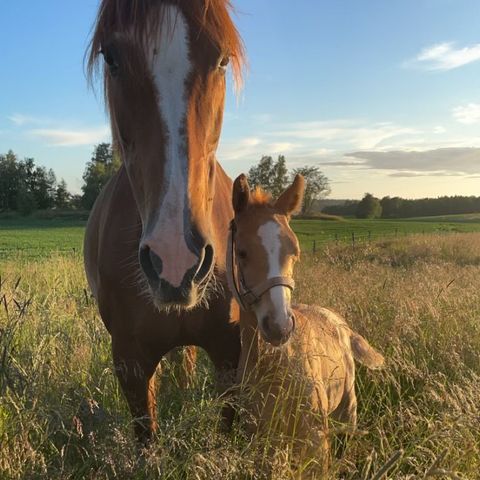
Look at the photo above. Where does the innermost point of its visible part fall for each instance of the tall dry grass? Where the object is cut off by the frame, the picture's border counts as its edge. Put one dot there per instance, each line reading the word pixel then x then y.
pixel 62 414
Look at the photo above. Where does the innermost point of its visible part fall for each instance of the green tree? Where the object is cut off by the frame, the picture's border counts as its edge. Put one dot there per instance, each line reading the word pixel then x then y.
pixel 391 206
pixel 102 166
pixel 279 176
pixel 261 174
pixel 269 175
pixel 62 196
pixel 317 186
pixel 43 186
pixel 24 186
pixel 369 207
pixel 25 200
pixel 76 202
pixel 10 181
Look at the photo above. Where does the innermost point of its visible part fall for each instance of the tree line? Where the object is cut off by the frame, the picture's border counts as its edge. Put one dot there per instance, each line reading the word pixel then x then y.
pixel 397 207
pixel 25 187
pixel 273 177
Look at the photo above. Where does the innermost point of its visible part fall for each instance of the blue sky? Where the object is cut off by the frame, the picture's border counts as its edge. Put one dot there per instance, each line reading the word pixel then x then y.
pixel 384 96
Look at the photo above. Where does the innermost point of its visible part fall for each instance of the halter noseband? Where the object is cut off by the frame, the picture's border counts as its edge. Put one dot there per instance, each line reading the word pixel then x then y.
pixel 246 297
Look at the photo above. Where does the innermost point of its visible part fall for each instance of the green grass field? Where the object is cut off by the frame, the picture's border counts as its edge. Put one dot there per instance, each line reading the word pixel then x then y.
pixel 416 299
pixel 329 231
pixel 35 237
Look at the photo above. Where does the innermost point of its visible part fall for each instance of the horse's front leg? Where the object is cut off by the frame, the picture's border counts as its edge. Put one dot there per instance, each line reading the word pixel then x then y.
pixel 136 374
pixel 183 361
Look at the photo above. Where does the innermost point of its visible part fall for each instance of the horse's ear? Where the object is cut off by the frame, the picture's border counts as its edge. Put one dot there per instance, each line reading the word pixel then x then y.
pixel 241 193
pixel 290 201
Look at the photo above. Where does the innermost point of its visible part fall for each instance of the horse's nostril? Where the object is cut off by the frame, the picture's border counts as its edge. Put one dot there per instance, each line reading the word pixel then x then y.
pixel 292 320
pixel 150 262
pixel 206 265
pixel 156 262
pixel 265 323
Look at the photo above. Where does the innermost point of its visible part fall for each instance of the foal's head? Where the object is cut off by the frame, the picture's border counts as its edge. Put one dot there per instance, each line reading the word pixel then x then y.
pixel 265 250
pixel 164 75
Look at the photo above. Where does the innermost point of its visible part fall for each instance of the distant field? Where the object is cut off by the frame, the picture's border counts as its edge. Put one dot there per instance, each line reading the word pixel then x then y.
pixel 328 231
pixel 461 218
pixel 36 237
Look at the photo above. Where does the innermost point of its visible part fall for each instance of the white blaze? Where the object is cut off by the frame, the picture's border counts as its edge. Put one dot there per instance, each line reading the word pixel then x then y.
pixel 170 67
pixel 269 234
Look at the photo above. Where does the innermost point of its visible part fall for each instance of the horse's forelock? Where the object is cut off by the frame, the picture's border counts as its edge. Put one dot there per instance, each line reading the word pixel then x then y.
pixel 211 16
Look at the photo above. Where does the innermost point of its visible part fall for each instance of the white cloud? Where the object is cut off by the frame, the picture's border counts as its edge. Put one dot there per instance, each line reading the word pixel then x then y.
pixel 467 114
pixel 20 120
pixel 245 148
pixel 282 147
pixel 72 138
pixel 444 56
pixel 436 162
pixel 346 133
pixel 262 118
pixel 383 149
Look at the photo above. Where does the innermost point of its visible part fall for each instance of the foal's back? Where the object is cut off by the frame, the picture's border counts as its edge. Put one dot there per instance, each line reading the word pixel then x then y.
pixel 330 348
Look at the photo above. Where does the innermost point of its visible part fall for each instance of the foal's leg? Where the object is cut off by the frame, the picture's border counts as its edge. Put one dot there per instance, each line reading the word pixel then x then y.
pixel 136 374
pixel 346 414
pixel 325 445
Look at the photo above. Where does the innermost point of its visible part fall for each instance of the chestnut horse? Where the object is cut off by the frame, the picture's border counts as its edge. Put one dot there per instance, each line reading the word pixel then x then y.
pixel 155 243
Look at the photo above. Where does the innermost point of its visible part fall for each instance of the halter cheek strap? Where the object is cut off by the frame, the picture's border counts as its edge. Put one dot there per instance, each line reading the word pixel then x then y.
pixel 246 297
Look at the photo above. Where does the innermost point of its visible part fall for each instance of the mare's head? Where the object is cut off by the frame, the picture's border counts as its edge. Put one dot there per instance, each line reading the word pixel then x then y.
pixel 265 250
pixel 164 64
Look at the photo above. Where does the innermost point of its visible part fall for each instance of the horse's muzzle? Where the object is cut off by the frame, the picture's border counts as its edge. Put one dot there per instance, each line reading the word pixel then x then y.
pixel 187 293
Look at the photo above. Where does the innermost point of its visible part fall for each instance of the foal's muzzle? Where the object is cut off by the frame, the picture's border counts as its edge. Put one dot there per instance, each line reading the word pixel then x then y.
pixel 277 333
pixel 184 294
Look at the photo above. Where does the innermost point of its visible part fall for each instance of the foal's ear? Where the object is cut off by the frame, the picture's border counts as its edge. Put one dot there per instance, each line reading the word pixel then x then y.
pixel 290 201
pixel 241 193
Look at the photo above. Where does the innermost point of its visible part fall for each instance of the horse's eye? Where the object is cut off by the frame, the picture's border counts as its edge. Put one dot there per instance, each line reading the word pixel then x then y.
pixel 223 63
pixel 242 254
pixel 110 60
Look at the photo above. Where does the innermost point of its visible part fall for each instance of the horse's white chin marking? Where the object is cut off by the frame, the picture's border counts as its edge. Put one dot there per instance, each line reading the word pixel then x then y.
pixel 170 65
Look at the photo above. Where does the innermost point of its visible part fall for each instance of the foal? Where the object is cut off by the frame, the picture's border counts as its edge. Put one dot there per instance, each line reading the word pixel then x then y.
pixel 293 388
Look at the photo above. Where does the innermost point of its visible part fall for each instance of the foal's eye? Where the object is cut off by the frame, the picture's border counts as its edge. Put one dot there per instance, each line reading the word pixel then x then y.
pixel 223 63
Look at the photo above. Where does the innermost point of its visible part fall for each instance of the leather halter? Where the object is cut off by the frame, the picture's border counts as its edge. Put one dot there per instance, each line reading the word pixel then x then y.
pixel 245 296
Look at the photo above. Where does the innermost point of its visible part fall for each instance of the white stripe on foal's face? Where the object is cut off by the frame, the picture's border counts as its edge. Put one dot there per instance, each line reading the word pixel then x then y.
pixel 278 297
pixel 170 66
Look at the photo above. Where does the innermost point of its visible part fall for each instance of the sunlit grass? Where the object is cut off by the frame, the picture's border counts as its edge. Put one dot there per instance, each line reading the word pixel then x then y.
pixel 415 299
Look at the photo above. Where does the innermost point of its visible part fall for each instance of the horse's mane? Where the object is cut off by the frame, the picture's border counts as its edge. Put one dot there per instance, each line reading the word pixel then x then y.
pixel 211 16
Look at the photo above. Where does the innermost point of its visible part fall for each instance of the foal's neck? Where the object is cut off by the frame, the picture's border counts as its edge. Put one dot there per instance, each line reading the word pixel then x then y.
pixel 250 338
pixel 248 328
